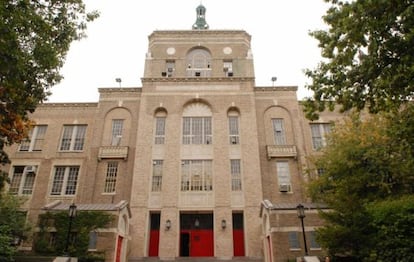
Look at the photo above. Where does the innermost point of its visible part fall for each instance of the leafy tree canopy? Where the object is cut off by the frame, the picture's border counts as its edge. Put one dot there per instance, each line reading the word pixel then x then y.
pixel 12 225
pixel 34 39
pixel 368 167
pixel 368 57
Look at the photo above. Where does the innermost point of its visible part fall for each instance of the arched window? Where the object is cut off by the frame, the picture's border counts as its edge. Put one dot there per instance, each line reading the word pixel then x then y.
pixel 199 63
pixel 234 135
pixel 197 124
pixel 160 118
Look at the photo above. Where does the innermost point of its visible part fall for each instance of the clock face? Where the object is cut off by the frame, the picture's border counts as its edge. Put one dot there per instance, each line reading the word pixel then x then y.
pixel 227 50
pixel 170 50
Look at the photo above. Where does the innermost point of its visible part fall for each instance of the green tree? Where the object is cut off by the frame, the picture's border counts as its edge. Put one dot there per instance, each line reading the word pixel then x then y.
pixel 34 39
pixel 368 57
pixel 83 224
pixel 366 164
pixel 12 225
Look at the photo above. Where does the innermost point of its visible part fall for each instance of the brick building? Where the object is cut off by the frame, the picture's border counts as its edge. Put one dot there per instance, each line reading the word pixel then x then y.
pixel 197 162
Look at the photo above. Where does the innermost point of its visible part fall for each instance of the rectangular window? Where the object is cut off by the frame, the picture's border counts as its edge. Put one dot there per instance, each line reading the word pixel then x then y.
pixel 157 175
pixel 197 130
pixel 196 175
pixel 36 139
pixel 293 240
pixel 319 132
pixel 111 174
pixel 65 180
pixel 279 131
pixel 312 239
pixel 159 130
pixel 228 68
pixel 170 68
pixel 283 176
pixel 22 181
pixel 235 175
pixel 73 137
pixel 234 130
pixel 93 238
pixel 117 125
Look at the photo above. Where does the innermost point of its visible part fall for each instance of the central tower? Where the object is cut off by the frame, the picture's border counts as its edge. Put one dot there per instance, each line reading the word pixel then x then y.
pixel 201 18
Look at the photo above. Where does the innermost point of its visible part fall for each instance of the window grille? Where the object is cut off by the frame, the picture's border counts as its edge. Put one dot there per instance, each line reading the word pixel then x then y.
pixel 157 175
pixel 117 126
pixel 319 132
pixel 279 131
pixel 73 138
pixel 111 174
pixel 197 130
pixel 236 184
pixel 196 175
pixel 65 180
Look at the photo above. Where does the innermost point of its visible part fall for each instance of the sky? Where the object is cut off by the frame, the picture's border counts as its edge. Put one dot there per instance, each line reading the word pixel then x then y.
pixel 118 40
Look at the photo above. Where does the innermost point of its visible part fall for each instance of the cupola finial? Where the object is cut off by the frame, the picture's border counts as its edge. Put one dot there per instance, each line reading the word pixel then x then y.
pixel 201 18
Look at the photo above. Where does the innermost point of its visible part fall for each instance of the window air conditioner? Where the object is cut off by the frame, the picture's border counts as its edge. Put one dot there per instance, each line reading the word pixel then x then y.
pixel 284 188
pixel 30 169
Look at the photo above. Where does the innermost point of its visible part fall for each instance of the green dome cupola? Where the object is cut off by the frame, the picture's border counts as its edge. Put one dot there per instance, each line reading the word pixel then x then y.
pixel 200 23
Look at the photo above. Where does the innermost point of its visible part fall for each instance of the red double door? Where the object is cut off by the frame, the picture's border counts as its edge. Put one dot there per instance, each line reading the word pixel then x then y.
pixel 196 235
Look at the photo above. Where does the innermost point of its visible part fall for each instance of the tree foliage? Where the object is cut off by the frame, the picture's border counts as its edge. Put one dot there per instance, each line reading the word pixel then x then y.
pixel 83 224
pixel 34 39
pixel 367 167
pixel 368 52
pixel 12 225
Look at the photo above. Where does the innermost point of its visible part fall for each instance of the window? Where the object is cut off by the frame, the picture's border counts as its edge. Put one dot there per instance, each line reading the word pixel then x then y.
pixel 157 175
pixel 111 173
pixel 36 139
pixel 235 175
pixel 196 175
pixel 65 180
pixel 197 130
pixel 93 238
pixel 199 63
pixel 22 181
pixel 283 176
pixel 319 131
pixel 293 240
pixel 170 68
pixel 312 239
pixel 228 68
pixel 234 129
pixel 160 130
pixel 279 131
pixel 117 125
pixel 73 138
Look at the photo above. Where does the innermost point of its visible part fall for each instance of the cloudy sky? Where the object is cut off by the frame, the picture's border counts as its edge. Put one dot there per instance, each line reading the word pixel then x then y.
pixel 118 40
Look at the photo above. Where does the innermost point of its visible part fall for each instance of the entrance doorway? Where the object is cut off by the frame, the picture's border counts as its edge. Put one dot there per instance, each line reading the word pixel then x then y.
pixel 154 239
pixel 238 235
pixel 196 235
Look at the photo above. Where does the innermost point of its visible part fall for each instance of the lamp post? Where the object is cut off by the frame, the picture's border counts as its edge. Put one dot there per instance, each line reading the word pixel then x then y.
pixel 301 214
pixel 72 214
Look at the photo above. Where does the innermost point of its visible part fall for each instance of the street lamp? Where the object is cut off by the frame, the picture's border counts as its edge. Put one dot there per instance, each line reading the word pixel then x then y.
pixel 72 214
pixel 301 214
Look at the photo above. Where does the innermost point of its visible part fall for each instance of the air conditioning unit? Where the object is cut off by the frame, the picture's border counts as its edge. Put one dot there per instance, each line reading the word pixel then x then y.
pixel 233 140
pixel 30 169
pixel 284 188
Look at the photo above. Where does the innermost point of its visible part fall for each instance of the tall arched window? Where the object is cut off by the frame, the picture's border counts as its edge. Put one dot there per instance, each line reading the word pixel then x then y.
pixel 234 133
pixel 197 127
pixel 199 63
